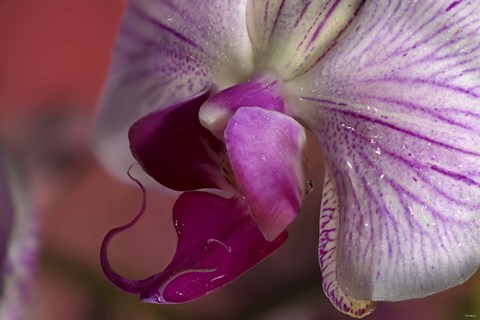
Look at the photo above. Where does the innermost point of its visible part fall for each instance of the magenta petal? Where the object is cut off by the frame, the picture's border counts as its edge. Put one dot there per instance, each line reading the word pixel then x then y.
pixel 217 242
pixel 266 151
pixel 174 148
pixel 265 93
pixel 166 51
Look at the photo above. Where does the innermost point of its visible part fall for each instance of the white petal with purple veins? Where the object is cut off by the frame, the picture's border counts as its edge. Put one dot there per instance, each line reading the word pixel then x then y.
pixel 327 254
pixel 290 36
pixel 167 51
pixel 396 108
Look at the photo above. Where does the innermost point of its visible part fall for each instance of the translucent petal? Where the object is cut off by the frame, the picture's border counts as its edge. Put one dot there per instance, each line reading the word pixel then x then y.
pixel 167 51
pixel 396 108
pixel 327 254
pixel 290 36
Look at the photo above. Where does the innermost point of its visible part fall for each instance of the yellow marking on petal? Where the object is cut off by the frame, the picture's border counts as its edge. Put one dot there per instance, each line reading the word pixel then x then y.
pixel 289 37
pixel 360 308
pixel 327 254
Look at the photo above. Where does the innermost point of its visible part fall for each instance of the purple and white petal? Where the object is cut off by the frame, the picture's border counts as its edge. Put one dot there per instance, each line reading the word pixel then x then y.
pixel 167 51
pixel 396 108
pixel 18 243
pixel 327 254
pixel 176 150
pixel 290 36
pixel 217 242
pixel 266 150
pixel 258 92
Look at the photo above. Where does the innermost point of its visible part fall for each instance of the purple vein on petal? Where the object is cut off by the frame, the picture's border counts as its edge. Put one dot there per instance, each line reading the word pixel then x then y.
pixel 280 9
pixel 400 95
pixel 418 167
pixel 366 118
pixel 339 35
pixel 413 106
pixel 386 215
pixel 322 24
pixel 409 106
pixel 328 251
pixel 399 50
pixel 141 14
pixel 433 83
pixel 453 5
pixel 400 189
pixel 418 43
pixel 300 16
pixel 370 21
pixel 314 23
pixel 300 33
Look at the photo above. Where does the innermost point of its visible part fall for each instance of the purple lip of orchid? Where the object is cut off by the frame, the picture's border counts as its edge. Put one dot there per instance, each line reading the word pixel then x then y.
pixel 215 100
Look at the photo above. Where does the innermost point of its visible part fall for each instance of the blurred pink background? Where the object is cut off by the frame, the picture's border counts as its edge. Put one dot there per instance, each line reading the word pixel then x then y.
pixel 53 60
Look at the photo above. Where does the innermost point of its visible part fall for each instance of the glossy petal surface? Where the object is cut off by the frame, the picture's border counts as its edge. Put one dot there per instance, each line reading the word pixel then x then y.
pixel 327 254
pixel 266 151
pixel 174 148
pixel 165 52
pixel 396 107
pixel 290 36
pixel 265 93
pixel 217 242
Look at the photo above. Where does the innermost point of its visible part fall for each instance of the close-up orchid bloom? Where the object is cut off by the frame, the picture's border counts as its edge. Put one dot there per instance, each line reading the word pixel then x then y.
pixel 224 101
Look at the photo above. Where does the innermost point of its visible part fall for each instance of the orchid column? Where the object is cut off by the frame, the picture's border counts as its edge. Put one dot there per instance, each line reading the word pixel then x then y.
pixel 214 98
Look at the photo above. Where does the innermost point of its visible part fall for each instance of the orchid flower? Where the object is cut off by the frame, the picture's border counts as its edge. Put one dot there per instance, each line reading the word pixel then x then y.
pixel 17 242
pixel 216 99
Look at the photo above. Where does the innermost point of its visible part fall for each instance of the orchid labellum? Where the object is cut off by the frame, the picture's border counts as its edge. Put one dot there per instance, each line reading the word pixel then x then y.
pixel 215 99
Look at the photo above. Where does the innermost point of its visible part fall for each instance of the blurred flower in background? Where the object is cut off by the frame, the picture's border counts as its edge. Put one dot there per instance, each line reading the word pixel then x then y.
pixel 53 62
pixel 18 241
